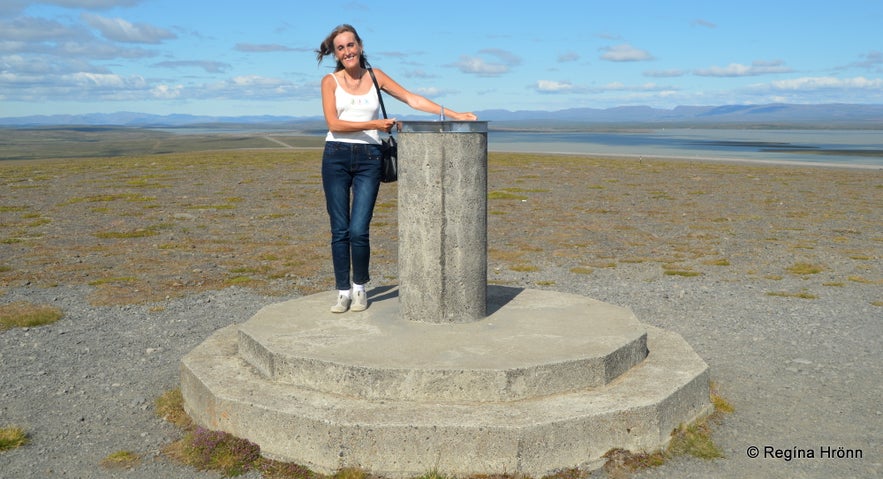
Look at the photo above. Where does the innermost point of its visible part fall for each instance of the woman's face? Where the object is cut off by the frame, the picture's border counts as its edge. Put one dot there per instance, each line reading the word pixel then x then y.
pixel 347 49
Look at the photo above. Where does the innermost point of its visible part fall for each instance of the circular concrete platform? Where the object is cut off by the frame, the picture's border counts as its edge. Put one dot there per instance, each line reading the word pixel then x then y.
pixel 547 381
pixel 534 343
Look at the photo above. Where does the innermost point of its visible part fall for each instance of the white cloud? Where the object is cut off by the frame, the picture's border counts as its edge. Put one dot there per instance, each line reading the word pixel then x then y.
pixel 31 29
pixel 506 57
pixel 502 62
pixel 81 86
pixel 664 73
pixel 818 90
pixel 480 66
pixel 91 4
pixel 166 92
pixel 262 47
pixel 208 66
pixel 826 83
pixel 256 80
pixel 120 30
pixel 97 50
pixel 873 61
pixel 759 67
pixel 430 92
pixel 568 57
pixel 625 53
pixel 38 37
pixel 564 87
pixel 703 23
pixel 11 7
pixel 251 87
pixel 46 66
pixel 100 80
pixel 646 87
pixel 419 74
pixel 551 86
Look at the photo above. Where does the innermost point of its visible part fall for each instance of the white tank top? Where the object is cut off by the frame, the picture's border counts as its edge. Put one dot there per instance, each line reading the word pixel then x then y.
pixel 355 108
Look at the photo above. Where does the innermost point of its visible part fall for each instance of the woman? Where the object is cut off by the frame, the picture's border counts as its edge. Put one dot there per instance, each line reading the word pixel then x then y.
pixel 351 160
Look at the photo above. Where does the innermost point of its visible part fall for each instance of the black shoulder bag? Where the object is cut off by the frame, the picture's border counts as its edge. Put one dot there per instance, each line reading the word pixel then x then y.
pixel 390 169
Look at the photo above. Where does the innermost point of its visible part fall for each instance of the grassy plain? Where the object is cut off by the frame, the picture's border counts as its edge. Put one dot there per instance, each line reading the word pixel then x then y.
pixel 96 141
pixel 139 218
pixel 139 227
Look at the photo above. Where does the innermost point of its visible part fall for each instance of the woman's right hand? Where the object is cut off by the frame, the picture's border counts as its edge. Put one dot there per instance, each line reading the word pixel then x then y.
pixel 385 124
pixel 468 116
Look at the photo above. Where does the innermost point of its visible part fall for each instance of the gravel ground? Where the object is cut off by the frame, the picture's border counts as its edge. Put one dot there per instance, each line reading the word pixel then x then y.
pixel 801 374
pixel 805 375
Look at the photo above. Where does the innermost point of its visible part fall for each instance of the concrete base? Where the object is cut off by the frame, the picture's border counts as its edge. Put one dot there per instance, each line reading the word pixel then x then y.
pixel 547 381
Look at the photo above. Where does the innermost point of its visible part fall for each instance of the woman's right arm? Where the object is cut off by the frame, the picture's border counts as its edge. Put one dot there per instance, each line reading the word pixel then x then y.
pixel 335 124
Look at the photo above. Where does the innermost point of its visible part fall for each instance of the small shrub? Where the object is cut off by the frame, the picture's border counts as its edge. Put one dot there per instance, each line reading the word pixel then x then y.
pixel 684 273
pixel 271 469
pixel 570 473
pixel 117 279
pixel 217 451
pixel 801 295
pixel 718 262
pixel 621 462
pixel 524 268
pixel 862 280
pixel 137 233
pixel 804 269
pixel 350 473
pixel 170 407
pixel 12 437
pixel 239 280
pixel 694 440
pixel 27 315
pixel 504 195
pixel 121 460
pixel 721 405
pixel 212 450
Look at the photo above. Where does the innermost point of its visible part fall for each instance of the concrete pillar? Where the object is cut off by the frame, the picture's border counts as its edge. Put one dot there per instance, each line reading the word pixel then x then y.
pixel 442 210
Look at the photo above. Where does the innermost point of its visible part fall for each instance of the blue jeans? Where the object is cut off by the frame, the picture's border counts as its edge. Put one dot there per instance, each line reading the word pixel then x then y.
pixel 346 167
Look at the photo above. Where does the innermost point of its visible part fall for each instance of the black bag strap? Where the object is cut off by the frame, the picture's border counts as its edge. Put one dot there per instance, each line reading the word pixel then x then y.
pixel 376 87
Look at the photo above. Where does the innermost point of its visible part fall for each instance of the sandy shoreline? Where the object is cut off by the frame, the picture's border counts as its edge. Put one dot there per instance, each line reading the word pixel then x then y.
pixel 714 159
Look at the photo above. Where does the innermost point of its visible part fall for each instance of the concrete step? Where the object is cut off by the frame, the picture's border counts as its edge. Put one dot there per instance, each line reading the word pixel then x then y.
pixel 244 380
pixel 534 343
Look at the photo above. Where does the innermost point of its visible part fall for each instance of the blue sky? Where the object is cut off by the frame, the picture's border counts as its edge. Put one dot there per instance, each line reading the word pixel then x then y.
pixel 256 57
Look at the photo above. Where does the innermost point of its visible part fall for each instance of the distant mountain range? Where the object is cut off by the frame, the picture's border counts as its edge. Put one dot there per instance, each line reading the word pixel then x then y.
pixel 826 115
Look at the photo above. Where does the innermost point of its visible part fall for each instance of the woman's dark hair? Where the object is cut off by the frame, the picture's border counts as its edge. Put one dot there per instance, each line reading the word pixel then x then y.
pixel 327 46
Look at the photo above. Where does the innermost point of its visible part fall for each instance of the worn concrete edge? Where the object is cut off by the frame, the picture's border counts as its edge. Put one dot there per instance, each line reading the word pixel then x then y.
pixel 530 437
pixel 364 377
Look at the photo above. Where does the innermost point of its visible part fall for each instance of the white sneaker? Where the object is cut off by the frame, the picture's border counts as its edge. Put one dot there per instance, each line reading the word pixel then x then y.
pixel 360 301
pixel 343 304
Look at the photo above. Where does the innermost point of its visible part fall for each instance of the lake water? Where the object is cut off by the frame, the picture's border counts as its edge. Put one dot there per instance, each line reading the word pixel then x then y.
pixel 841 147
